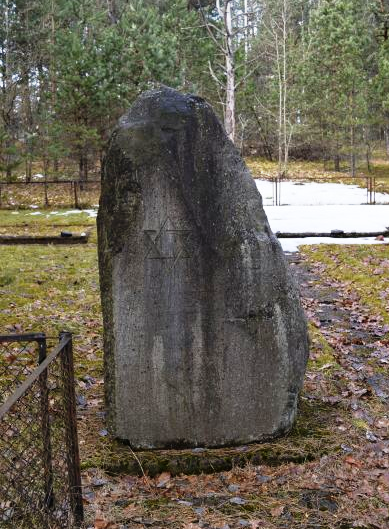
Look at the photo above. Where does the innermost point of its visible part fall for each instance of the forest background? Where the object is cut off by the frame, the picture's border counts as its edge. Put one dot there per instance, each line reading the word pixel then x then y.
pixel 302 79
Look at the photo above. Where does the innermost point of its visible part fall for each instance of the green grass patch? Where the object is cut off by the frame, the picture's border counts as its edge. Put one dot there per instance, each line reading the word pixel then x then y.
pixel 46 218
pixel 49 288
pixel 363 269
pixel 322 353
pixel 53 287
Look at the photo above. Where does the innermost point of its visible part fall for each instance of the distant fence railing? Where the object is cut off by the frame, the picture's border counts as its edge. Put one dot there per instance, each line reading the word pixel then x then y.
pixel 73 193
pixel 65 193
pixel 372 184
pixel 40 481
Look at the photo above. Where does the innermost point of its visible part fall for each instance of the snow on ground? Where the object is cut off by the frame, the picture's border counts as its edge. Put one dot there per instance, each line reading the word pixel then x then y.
pixel 90 212
pixel 314 193
pixel 317 217
pixel 292 245
pixel 306 212
pixel 326 218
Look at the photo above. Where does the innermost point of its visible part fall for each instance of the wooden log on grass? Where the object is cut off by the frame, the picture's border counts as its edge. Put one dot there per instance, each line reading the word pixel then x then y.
pixel 336 234
pixel 43 239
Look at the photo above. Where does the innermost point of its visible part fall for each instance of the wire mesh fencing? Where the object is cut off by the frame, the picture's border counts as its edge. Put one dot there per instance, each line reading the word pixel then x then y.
pixel 40 483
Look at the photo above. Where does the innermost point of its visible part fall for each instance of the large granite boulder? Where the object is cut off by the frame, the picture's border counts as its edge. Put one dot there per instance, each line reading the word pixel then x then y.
pixel 205 340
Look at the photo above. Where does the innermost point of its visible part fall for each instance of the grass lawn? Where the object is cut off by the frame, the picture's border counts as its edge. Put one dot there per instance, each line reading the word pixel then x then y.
pixel 304 480
pixel 363 271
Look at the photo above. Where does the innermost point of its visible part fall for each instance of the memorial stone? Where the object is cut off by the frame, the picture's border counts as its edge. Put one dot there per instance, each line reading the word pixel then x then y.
pixel 205 340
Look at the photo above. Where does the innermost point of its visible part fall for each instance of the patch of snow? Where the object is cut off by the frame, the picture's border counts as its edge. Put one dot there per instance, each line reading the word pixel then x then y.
pixel 15 213
pixel 38 175
pixel 33 206
pixel 35 213
pixel 326 218
pixel 90 212
pixel 314 193
pixel 292 245
pixel 318 217
pixel 69 212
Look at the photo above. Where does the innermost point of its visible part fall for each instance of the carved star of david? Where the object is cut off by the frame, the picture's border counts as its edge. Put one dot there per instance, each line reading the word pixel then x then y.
pixel 155 241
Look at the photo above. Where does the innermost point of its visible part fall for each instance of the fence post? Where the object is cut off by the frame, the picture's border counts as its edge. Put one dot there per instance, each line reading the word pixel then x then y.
pixel 73 457
pixel 76 204
pixel 46 194
pixel 45 423
pixel 370 191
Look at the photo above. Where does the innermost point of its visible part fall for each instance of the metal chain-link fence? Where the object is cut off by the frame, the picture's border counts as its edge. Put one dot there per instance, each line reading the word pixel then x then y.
pixel 40 483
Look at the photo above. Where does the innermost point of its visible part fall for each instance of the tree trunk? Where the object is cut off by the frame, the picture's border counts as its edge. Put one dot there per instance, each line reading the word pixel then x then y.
pixel 27 117
pixel 262 135
pixel 337 163
pixel 53 79
pixel 45 172
pixel 246 33
pixel 28 169
pixel 86 169
pixel 112 11
pixel 28 128
pixel 229 120
pixel 8 95
pixel 83 169
pixel 386 133
pixel 353 164
pixel 8 173
pixel 352 156
pixel 284 89
pixel 368 159
pixel 352 135
pixel 366 136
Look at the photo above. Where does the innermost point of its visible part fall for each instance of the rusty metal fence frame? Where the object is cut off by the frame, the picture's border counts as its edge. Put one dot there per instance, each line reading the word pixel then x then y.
pixel 40 478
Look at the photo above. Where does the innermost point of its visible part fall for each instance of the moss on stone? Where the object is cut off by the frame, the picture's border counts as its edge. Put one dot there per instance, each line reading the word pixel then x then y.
pixel 308 440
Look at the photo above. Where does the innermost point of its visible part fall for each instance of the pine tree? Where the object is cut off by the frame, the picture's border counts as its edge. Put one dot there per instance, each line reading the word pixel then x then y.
pixel 334 76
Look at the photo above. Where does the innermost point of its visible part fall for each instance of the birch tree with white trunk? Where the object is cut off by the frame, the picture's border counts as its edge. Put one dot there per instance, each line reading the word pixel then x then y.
pixel 274 48
pixel 230 25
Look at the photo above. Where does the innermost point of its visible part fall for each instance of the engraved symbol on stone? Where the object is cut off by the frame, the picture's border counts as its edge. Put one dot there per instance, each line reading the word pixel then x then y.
pixel 167 243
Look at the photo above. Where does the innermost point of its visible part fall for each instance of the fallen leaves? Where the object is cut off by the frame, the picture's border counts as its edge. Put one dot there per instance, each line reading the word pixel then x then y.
pixel 351 461
pixel 277 511
pixel 163 480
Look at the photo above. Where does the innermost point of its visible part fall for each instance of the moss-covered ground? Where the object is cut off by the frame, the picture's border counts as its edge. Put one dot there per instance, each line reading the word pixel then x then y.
pixel 331 471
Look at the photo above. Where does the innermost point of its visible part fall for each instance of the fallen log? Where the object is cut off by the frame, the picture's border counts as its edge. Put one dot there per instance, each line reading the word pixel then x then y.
pixel 334 234
pixel 43 239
